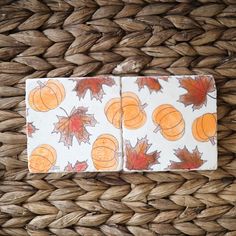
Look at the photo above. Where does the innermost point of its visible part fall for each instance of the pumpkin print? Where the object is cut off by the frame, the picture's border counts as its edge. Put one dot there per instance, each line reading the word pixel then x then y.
pixel 129 108
pixel 46 96
pixel 204 128
pixel 169 121
pixel 42 158
pixel 134 115
pixel 113 112
pixel 105 152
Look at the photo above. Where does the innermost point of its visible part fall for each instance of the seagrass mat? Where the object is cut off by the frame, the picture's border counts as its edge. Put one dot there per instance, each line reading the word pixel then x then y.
pixel 53 38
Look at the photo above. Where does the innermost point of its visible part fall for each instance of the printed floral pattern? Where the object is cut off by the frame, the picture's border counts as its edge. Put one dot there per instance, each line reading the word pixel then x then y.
pixel 83 124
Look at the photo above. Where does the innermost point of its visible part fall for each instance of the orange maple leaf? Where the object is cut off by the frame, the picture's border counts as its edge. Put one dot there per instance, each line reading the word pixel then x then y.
pixel 151 83
pixel 137 157
pixel 94 84
pixel 197 90
pixel 188 160
pixel 30 129
pixel 78 166
pixel 74 125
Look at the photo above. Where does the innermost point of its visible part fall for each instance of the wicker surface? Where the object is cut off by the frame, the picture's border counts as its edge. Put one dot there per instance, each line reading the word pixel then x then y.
pixel 77 38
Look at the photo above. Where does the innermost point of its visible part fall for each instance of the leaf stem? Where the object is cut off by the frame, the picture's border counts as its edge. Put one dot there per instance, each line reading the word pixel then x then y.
pixel 211 96
pixel 64 111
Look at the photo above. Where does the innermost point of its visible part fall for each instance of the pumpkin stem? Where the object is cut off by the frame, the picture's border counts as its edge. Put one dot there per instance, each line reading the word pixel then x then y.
pixel 212 140
pixel 41 84
pixel 157 129
pixel 144 105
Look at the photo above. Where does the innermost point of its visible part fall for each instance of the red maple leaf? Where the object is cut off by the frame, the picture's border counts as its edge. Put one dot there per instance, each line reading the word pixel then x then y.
pixel 74 125
pixel 197 90
pixel 68 167
pixel 78 166
pixel 188 160
pixel 94 84
pixel 151 83
pixel 137 157
pixel 30 129
pixel 163 77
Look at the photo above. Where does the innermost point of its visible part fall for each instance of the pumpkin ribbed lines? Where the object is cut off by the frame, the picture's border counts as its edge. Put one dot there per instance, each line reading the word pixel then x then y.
pixel 38 155
pixel 103 147
pixel 109 140
pixel 33 103
pixel 202 125
pixel 40 95
pixel 175 135
pixel 164 117
pixel 59 89
pixel 174 126
pixel 140 111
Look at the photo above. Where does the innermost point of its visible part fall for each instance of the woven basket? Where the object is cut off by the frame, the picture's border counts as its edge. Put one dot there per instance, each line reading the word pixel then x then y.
pixel 62 38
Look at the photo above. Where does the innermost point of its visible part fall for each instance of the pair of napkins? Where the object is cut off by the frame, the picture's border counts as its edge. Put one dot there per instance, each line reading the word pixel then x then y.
pixel 108 123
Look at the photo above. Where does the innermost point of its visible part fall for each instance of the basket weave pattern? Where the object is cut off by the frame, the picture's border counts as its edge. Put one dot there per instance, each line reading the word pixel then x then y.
pixel 62 38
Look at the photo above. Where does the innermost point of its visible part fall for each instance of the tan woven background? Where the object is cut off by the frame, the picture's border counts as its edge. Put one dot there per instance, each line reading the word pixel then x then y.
pixel 88 37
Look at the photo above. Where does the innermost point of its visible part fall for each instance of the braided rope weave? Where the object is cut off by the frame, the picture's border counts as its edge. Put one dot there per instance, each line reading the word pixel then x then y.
pixel 53 38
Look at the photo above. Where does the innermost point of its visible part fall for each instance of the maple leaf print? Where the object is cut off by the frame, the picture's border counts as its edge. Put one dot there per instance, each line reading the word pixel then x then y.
pixel 188 160
pixel 163 77
pixel 137 157
pixel 68 167
pixel 30 129
pixel 94 85
pixel 78 166
pixel 197 90
pixel 151 83
pixel 74 125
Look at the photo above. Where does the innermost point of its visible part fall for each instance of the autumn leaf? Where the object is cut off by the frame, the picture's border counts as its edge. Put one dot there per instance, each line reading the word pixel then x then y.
pixel 69 167
pixel 78 166
pixel 151 83
pixel 94 85
pixel 163 77
pixel 74 125
pixel 30 129
pixel 197 90
pixel 188 160
pixel 137 157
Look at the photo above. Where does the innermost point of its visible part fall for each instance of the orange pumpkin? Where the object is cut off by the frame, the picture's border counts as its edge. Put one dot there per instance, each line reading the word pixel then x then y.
pixel 169 121
pixel 42 158
pixel 113 112
pixel 134 115
pixel 46 96
pixel 129 108
pixel 204 128
pixel 105 152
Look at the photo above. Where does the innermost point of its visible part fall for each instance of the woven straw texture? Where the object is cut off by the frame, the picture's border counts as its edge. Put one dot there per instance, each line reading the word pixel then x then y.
pixel 52 38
